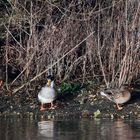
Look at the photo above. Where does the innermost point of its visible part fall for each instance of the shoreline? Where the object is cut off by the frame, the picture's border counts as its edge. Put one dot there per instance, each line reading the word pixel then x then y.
pixel 82 104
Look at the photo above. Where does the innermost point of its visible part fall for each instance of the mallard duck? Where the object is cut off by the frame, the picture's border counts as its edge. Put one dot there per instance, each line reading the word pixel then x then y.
pixel 47 94
pixel 118 96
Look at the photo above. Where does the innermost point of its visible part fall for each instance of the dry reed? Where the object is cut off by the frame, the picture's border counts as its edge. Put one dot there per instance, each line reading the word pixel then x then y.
pixel 73 41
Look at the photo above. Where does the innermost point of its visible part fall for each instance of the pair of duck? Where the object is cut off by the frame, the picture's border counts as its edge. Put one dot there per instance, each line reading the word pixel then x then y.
pixel 48 94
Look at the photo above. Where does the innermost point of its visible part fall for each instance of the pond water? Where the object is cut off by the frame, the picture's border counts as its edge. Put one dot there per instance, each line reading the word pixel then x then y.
pixel 69 129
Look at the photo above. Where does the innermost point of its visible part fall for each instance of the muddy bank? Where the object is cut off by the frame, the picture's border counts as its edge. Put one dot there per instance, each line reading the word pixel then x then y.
pixel 83 104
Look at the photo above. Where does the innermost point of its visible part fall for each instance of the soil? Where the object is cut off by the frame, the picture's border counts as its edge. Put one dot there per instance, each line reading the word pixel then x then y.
pixel 86 103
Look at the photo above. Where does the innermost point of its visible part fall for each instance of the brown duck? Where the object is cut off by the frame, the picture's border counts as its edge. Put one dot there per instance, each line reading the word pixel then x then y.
pixel 118 96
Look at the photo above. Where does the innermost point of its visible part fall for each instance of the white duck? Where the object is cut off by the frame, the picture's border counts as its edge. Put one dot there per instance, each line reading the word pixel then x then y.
pixel 47 94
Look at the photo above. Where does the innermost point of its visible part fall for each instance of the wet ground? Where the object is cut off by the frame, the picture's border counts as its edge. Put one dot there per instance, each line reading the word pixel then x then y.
pixel 86 103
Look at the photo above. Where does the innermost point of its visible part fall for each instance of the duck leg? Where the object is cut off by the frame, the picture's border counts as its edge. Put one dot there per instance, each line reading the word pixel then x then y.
pixel 52 106
pixel 119 107
pixel 42 108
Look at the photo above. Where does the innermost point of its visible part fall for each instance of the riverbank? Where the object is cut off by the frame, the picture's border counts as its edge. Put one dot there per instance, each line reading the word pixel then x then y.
pixel 85 103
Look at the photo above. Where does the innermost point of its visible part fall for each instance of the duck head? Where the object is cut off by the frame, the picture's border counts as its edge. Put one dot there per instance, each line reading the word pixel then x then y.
pixel 106 94
pixel 50 81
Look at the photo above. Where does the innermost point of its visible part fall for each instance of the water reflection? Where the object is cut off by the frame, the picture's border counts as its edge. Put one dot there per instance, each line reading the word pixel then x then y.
pixel 116 130
pixel 100 129
pixel 46 129
pixel 17 129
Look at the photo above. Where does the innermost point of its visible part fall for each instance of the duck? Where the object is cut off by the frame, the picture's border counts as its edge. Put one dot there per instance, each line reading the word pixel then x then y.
pixel 47 94
pixel 118 96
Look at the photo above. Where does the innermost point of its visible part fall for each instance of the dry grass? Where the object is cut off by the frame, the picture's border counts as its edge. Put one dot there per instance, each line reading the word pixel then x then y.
pixel 74 41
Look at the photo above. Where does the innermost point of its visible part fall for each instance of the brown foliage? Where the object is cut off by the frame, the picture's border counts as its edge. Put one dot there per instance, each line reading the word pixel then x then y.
pixel 95 42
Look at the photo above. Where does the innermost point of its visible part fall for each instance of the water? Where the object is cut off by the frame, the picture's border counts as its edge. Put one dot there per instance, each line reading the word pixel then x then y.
pixel 84 129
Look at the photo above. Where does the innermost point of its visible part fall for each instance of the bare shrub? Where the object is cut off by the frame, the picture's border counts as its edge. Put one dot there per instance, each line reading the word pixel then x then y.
pixel 119 51
pixel 74 40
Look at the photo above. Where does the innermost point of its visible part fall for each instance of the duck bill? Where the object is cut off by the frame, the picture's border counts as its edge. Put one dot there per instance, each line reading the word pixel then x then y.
pixel 49 83
pixel 106 95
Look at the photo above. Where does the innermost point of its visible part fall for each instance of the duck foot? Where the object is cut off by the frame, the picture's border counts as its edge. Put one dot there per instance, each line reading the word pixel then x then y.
pixel 42 108
pixel 52 106
pixel 119 107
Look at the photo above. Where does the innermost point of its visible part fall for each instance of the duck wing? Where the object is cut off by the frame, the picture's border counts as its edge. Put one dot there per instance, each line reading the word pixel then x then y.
pixel 47 94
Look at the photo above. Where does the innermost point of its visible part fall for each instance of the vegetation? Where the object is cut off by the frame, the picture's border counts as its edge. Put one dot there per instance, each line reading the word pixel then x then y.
pixel 76 40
